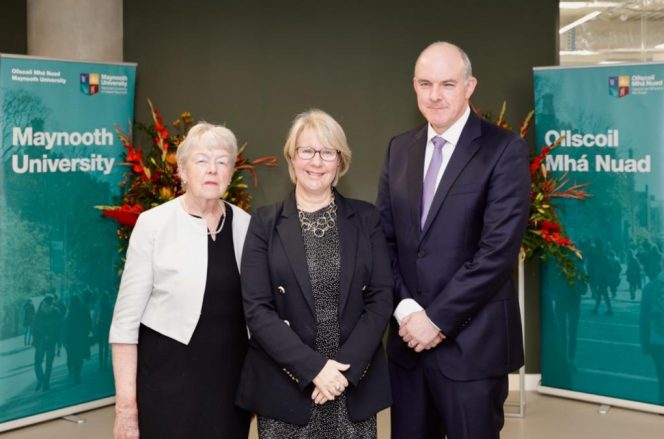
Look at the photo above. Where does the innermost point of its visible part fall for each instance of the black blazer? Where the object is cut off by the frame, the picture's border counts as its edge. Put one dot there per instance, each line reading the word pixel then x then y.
pixel 281 362
pixel 459 266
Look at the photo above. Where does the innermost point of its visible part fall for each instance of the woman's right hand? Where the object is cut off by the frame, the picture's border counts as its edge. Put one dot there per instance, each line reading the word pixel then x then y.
pixel 330 382
pixel 125 363
pixel 126 423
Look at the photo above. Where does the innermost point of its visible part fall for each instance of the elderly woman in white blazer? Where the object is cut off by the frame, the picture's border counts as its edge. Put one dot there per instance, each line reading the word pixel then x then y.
pixel 178 334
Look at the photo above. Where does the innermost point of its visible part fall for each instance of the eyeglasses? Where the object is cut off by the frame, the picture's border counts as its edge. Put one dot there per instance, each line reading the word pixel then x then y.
pixel 308 153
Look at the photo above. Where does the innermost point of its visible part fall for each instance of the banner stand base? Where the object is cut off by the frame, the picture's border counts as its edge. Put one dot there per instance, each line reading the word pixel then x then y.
pixel 606 400
pixel 73 418
pixel 603 409
pixel 60 413
pixel 520 405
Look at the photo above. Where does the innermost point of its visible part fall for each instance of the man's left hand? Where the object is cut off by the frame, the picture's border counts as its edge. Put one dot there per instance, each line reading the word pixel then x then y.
pixel 418 332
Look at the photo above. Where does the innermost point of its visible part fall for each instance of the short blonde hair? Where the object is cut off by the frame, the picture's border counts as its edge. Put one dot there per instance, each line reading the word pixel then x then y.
pixel 208 136
pixel 328 131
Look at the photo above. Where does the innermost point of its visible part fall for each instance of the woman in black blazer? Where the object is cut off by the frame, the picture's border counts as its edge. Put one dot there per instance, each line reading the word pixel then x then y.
pixel 317 288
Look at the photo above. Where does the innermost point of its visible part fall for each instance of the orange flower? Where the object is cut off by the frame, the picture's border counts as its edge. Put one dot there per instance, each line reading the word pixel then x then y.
pixel 165 193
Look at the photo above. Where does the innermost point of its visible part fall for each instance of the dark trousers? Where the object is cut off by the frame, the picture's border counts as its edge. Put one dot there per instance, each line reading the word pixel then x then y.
pixel 45 350
pixel 427 405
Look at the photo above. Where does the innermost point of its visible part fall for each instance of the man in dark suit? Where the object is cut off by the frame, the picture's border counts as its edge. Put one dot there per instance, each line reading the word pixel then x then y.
pixel 454 197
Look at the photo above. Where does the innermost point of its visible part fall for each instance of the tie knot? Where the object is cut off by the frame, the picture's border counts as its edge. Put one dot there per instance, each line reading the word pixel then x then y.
pixel 438 142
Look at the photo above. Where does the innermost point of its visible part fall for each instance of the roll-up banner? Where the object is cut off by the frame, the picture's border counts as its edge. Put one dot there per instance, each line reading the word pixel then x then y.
pixel 58 257
pixel 603 340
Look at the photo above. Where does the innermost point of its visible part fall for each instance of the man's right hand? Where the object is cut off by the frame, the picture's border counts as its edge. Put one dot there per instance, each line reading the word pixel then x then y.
pixel 436 341
pixel 419 332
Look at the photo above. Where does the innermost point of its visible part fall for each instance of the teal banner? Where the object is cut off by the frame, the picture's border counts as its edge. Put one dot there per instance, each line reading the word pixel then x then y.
pixel 606 336
pixel 58 257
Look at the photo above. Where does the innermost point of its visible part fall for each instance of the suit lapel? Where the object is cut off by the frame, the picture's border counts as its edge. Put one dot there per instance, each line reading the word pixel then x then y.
pixel 415 176
pixel 290 233
pixel 347 247
pixel 464 151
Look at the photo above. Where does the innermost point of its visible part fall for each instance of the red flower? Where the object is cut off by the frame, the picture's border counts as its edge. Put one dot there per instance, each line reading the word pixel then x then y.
pixel 134 155
pixel 534 166
pixel 125 214
pixel 549 226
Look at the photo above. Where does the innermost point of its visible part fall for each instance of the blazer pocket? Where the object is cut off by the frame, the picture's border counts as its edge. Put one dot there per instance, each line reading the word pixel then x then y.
pixel 465 188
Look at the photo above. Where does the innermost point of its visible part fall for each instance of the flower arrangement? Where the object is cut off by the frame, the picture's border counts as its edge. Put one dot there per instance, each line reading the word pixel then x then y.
pixel 545 234
pixel 152 178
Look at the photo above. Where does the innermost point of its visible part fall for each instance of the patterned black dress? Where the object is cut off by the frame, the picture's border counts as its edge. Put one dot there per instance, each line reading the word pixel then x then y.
pixel 330 420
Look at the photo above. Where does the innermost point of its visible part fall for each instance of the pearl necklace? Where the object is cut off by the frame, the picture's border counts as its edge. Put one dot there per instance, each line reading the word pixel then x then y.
pixel 221 224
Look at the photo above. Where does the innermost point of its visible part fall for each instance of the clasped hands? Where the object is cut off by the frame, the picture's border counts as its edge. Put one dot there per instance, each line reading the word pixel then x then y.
pixel 419 333
pixel 330 382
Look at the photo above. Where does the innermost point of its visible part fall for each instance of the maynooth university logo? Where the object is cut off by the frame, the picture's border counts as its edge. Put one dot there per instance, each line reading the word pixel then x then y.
pixel 619 86
pixel 89 83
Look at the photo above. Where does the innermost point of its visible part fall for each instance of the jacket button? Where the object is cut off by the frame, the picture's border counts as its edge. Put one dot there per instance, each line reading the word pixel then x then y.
pixel 281 289
pixel 364 287
pixel 420 254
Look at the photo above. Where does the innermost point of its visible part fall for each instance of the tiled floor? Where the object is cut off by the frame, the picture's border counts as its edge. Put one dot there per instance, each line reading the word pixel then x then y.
pixel 546 418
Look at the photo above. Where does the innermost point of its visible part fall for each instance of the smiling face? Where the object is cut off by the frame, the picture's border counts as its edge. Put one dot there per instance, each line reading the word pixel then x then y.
pixel 315 175
pixel 442 91
pixel 207 172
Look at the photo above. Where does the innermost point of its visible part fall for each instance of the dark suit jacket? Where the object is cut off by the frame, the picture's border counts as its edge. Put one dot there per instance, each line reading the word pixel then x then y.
pixel 459 267
pixel 279 308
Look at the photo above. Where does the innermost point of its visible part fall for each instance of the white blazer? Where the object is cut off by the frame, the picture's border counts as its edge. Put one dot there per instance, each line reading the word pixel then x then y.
pixel 164 276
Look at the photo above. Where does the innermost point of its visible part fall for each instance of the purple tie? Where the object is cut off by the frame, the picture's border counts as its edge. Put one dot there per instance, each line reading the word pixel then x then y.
pixel 429 188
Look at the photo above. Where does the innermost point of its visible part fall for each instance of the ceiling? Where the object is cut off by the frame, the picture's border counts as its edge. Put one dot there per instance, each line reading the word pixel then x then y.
pixel 615 31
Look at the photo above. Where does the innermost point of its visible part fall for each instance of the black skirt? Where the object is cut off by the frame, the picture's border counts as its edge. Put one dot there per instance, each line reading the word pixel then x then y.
pixel 187 391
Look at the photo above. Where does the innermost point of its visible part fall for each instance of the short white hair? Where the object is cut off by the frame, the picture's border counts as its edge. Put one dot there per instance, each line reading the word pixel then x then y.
pixel 208 136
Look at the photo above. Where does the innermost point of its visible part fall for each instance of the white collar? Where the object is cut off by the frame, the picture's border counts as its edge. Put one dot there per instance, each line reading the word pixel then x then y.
pixel 452 134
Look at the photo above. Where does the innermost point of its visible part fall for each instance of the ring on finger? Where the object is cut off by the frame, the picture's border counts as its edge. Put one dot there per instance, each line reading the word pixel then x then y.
pixel 337 387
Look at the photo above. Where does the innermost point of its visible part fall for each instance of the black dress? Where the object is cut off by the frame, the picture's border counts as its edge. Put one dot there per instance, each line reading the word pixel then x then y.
pixel 187 391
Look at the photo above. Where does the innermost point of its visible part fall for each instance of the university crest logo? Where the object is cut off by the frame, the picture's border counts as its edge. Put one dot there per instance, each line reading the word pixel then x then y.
pixel 89 83
pixel 619 86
